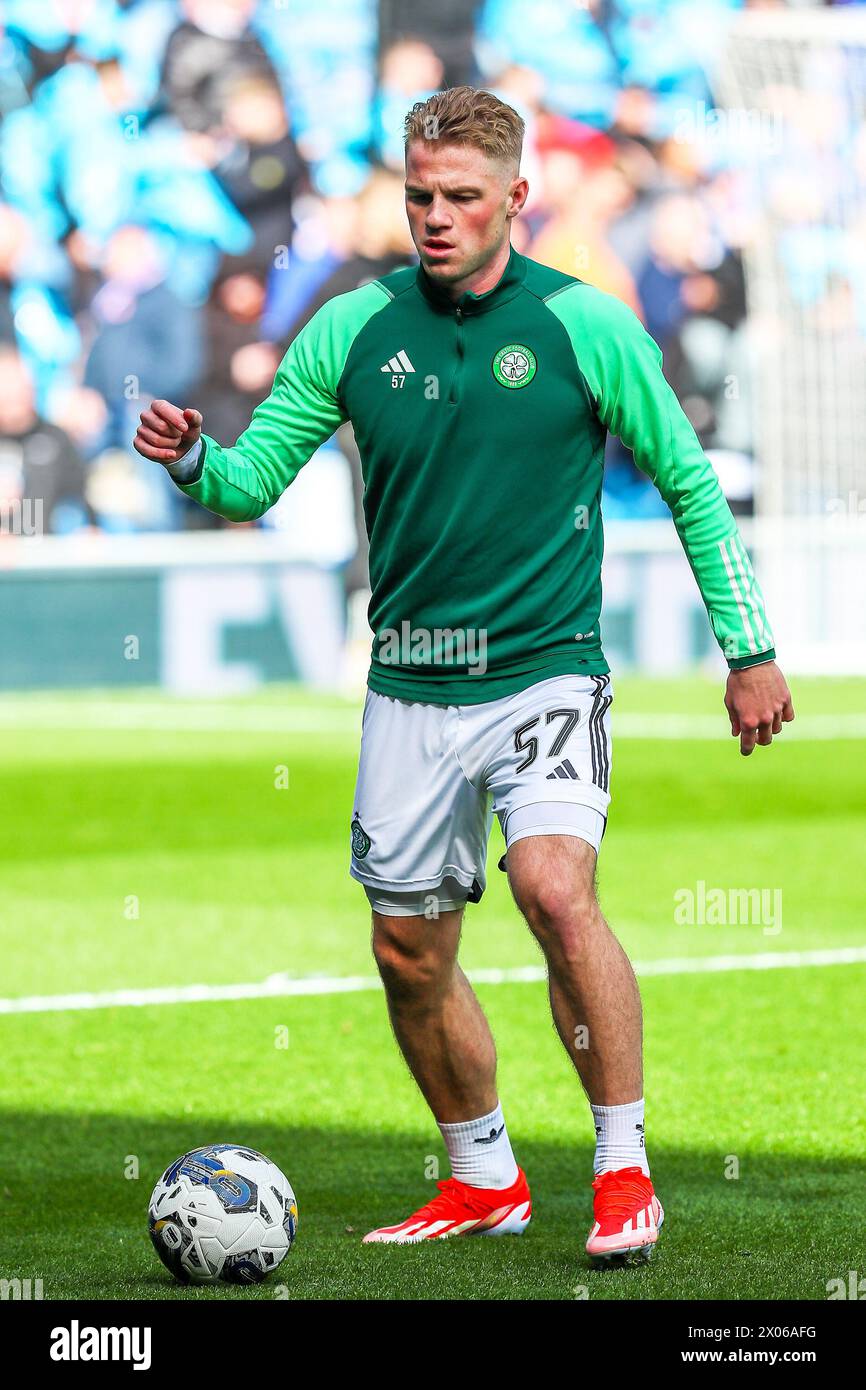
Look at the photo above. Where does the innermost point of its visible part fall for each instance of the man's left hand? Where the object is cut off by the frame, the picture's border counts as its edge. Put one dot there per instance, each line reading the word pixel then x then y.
pixel 758 702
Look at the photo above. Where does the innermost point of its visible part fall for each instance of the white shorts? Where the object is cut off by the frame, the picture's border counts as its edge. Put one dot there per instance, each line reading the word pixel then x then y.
pixel 431 776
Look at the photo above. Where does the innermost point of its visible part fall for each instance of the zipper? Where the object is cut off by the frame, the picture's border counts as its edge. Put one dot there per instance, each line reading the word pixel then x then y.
pixel 456 380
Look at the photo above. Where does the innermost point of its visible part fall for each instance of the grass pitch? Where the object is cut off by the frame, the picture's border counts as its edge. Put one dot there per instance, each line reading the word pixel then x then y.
pixel 146 844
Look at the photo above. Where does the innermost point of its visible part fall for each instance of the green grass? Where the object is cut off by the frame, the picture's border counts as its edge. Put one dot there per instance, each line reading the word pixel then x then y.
pixel 235 880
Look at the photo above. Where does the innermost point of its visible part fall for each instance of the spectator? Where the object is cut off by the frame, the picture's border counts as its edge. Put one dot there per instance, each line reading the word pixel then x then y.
pixel 42 474
pixel 682 244
pixel 209 50
pixel 259 167
pixel 144 337
pixel 583 191
pixel 13 233
pixel 378 242
pixel 447 28
pixel 147 343
pixel 410 71
pixel 240 366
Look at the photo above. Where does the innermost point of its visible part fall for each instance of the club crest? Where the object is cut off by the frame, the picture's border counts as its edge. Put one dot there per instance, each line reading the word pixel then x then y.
pixel 514 366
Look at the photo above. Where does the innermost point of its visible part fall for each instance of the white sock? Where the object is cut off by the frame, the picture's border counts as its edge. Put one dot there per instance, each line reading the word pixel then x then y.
pixel 619 1137
pixel 480 1151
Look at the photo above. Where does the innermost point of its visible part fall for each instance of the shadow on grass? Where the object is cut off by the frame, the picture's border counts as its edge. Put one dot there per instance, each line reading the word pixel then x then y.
pixel 71 1217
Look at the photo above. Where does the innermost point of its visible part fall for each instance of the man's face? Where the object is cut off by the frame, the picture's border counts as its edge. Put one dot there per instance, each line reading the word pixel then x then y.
pixel 459 203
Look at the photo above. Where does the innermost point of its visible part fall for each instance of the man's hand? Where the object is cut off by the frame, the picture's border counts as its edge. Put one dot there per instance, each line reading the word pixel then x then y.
pixel 166 432
pixel 758 702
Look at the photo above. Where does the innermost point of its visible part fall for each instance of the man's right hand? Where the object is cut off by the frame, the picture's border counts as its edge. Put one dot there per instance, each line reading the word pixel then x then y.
pixel 165 432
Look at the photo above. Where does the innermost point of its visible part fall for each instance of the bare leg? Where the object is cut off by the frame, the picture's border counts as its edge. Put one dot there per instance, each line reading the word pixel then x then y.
pixel 437 1020
pixel 594 995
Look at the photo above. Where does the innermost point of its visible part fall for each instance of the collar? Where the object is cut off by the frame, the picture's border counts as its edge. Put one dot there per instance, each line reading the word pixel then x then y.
pixel 508 285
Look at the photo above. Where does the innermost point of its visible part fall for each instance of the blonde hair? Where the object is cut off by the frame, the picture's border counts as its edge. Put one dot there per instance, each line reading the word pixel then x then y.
pixel 468 116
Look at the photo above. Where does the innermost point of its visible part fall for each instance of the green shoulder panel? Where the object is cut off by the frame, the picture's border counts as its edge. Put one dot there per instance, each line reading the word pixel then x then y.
pixel 544 282
pixel 622 367
pixel 301 412
pixel 399 281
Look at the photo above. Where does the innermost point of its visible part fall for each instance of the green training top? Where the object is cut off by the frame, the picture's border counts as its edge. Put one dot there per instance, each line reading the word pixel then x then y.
pixel 481 426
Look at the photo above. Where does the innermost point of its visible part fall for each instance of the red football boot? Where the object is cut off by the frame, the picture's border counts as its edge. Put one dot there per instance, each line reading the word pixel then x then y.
pixel 461 1210
pixel 628 1217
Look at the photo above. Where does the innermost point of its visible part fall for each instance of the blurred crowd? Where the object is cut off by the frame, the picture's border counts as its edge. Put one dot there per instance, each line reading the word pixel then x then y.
pixel 184 182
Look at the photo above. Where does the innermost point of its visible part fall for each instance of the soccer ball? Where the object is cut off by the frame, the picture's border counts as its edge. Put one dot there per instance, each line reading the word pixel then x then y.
pixel 223 1212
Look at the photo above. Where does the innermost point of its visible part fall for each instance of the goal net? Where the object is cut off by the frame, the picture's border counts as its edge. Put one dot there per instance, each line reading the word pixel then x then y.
pixel 796 79
pixel 791 84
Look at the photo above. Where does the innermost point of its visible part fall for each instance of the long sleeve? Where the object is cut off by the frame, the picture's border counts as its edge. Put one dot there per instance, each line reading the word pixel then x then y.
pixel 622 368
pixel 301 412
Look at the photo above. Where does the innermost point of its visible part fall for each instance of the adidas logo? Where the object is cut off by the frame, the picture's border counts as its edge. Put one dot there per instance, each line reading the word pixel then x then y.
pixel 564 769
pixel 399 363
pixel 492 1136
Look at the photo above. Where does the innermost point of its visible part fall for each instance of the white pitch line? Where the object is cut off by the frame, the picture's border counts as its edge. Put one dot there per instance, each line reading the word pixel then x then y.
pixel 284 986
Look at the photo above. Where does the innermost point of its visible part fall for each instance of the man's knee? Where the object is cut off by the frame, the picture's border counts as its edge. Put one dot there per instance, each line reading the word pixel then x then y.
pixel 415 961
pixel 559 912
pixel 553 882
